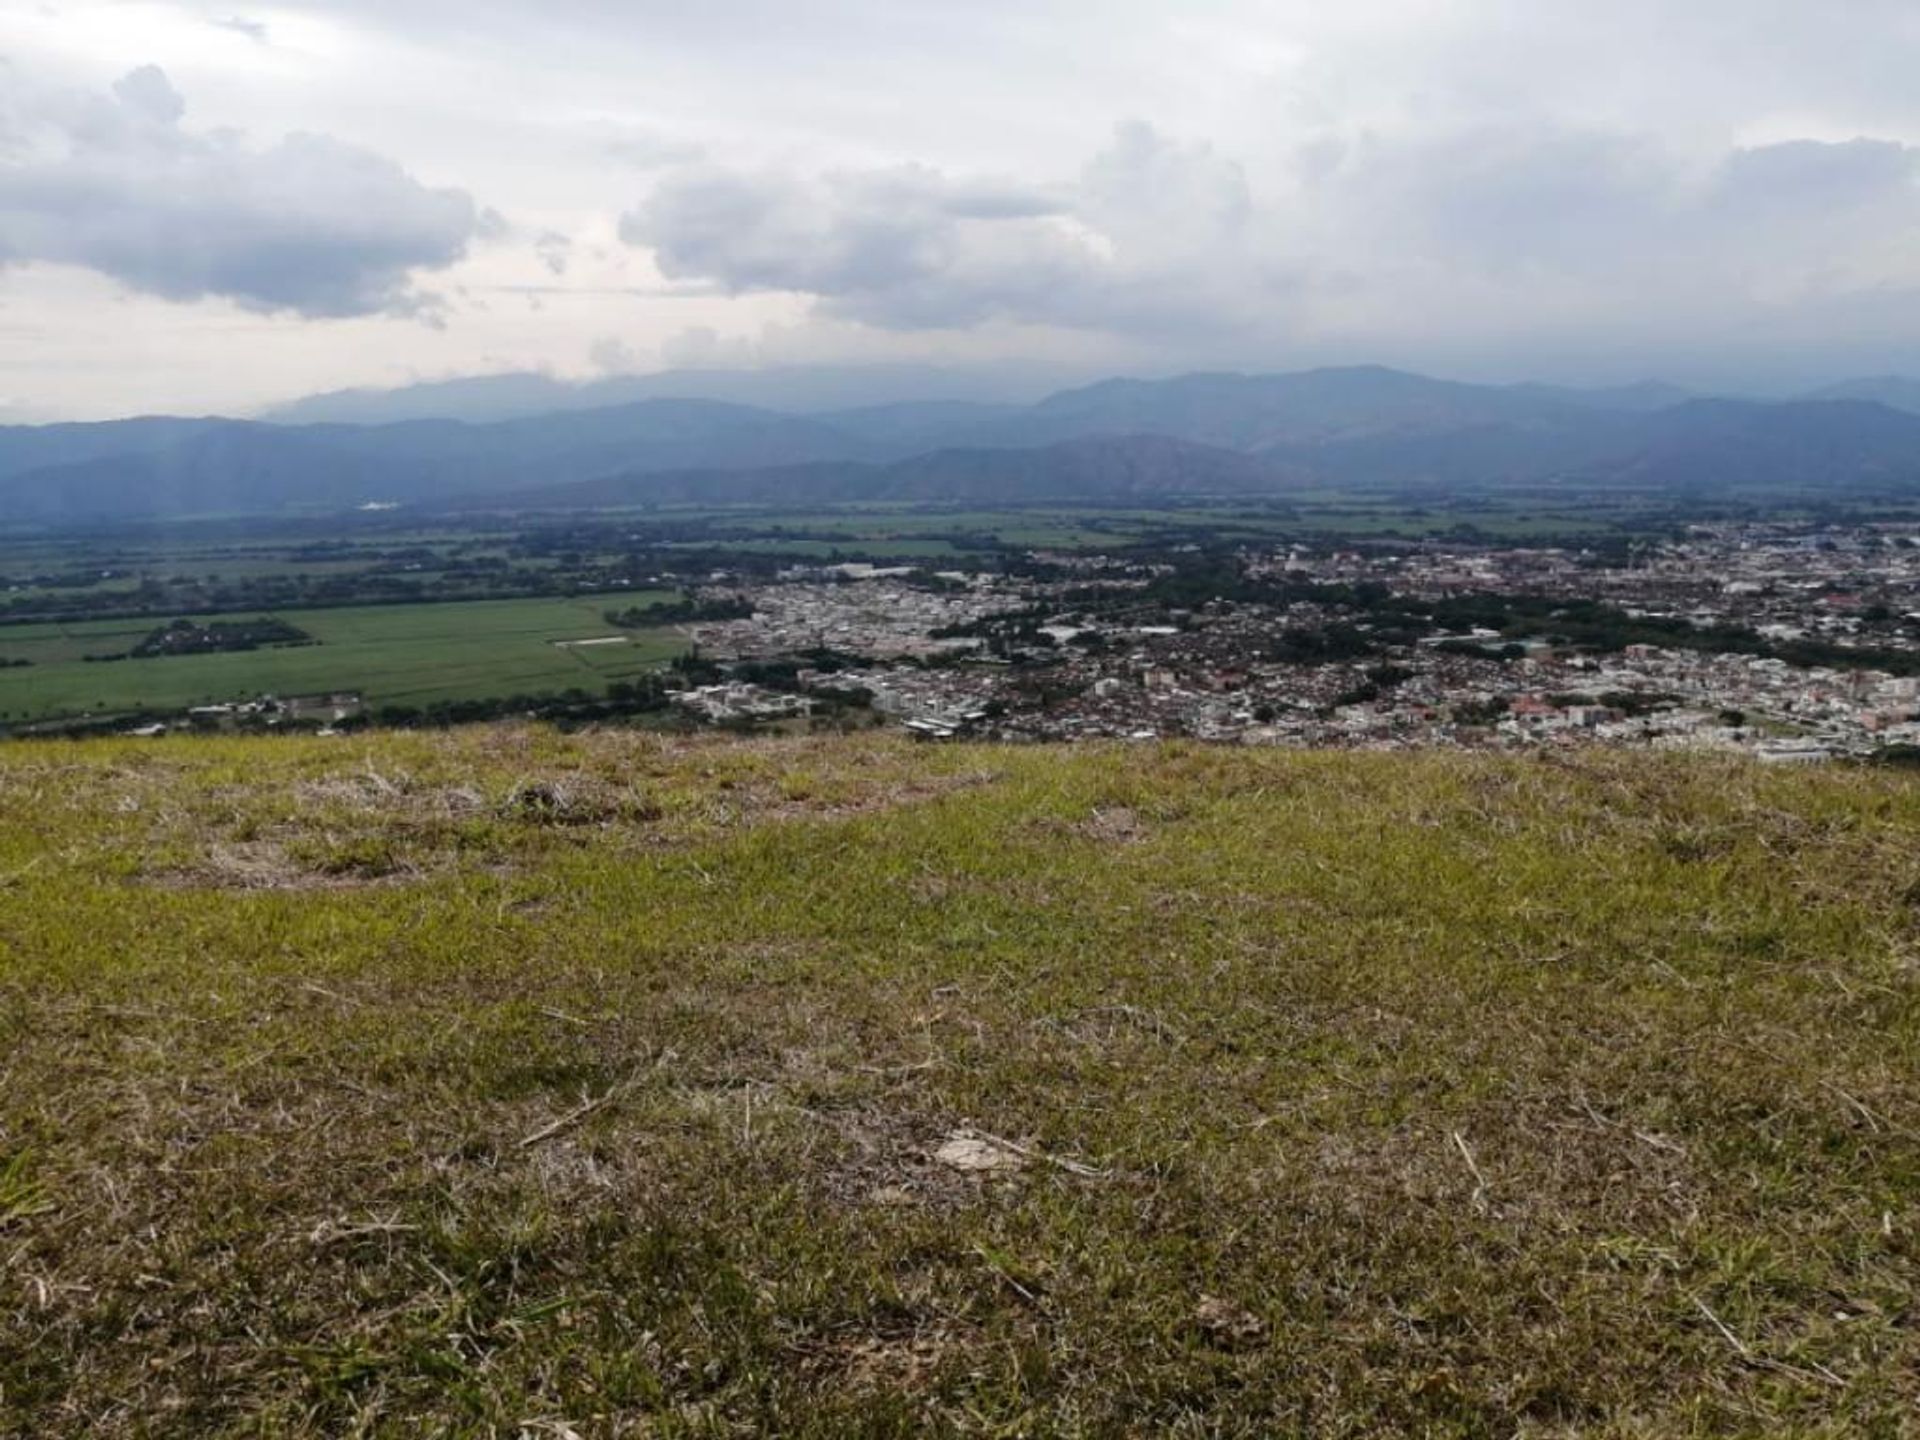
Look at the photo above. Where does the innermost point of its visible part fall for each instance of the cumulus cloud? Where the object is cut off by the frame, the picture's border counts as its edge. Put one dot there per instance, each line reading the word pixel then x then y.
pixel 701 347
pixel 908 247
pixel 1501 188
pixel 118 184
pixel 555 251
pixel 611 355
pixel 846 235
pixel 1162 241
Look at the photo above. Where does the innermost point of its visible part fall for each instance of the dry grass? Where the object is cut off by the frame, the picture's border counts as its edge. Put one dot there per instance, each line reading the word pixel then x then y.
pixel 503 1083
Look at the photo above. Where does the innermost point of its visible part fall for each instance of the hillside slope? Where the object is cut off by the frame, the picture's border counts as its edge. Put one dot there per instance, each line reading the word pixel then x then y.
pixel 1099 470
pixel 499 1082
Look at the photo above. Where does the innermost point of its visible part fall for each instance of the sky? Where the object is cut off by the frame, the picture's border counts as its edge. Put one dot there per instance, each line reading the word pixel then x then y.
pixel 213 207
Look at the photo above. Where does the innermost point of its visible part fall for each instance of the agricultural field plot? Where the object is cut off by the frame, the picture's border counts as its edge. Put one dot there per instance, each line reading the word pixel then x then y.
pixel 931 532
pixel 392 654
pixel 878 546
pixel 241 551
pixel 886 530
pixel 495 1082
pixel 1347 515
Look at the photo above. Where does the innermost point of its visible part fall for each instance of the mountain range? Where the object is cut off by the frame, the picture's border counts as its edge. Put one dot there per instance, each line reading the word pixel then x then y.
pixel 1192 435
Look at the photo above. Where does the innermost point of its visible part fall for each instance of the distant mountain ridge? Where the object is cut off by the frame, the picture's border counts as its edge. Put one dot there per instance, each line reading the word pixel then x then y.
pixel 482 399
pixel 1102 468
pixel 225 466
pixel 1897 392
pixel 1224 433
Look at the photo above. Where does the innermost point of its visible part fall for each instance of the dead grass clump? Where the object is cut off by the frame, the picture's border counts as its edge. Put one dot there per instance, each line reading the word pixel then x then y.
pixel 566 798
pixel 903 1362
pixel 890 1158
pixel 861 794
pixel 277 865
pixel 1228 1323
pixel 576 800
pixel 1114 825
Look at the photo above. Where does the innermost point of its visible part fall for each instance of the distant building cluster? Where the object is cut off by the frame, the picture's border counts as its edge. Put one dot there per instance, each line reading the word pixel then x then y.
pixel 1793 644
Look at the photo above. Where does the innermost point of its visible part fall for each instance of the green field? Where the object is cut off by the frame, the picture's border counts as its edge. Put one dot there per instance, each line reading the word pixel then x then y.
pixel 393 654
pixel 908 531
pixel 497 1083
pixel 885 529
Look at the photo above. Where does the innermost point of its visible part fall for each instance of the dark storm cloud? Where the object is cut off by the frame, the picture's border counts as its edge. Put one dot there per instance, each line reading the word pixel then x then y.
pixel 119 185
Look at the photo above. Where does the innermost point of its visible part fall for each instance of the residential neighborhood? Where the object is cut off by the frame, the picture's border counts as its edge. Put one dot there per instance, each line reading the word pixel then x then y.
pixel 1315 651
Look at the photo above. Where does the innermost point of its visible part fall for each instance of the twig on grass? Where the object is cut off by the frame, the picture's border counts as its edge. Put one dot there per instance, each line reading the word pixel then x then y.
pixel 331 1232
pixel 1005 1274
pixel 1857 1105
pixel 571 1118
pixel 1072 1167
pixel 1739 1345
pixel 1819 1374
pixel 13 877
pixel 927 1064
pixel 1479 1180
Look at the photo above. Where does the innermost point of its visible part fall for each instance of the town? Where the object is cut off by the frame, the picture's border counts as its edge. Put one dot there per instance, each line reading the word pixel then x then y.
pixel 1794 643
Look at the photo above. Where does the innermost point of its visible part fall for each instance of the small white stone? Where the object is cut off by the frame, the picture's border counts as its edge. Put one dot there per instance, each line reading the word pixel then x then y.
pixel 968 1152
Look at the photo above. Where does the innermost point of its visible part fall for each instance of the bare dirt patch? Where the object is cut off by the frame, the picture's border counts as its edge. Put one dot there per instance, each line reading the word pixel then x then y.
pixel 1114 825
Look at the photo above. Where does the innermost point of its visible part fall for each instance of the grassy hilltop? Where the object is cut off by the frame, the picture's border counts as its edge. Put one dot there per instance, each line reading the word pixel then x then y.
pixel 501 1083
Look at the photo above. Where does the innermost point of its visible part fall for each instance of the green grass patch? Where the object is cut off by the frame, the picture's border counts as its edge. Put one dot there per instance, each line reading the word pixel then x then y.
pixel 498 1082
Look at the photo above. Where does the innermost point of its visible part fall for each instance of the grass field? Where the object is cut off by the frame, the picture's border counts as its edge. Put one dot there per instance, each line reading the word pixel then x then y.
pixel 500 1083
pixel 394 654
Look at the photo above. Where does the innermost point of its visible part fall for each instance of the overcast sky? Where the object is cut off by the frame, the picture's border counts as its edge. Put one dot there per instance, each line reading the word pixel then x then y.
pixel 214 206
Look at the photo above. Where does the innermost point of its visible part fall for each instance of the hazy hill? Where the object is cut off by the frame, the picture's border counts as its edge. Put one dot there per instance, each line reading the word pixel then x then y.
pixel 805 389
pixel 1732 446
pixel 1644 395
pixel 1101 468
pixel 1897 391
pixel 1254 412
pixel 217 466
pixel 1108 467
pixel 26 448
pixel 914 427
pixel 226 467
pixel 1724 448
pixel 428 1084
pixel 1136 439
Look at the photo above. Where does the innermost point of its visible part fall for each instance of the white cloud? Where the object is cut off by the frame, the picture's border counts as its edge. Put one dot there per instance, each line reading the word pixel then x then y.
pixel 1428 241
pixel 1507 188
pixel 117 184
pixel 911 248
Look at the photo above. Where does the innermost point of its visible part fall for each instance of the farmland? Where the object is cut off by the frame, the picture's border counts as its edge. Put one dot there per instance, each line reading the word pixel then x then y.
pixel 394 654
